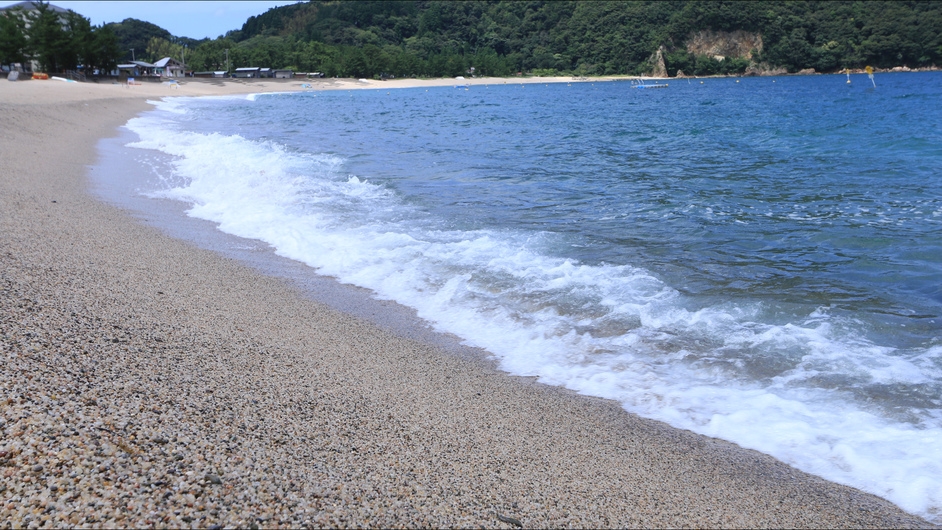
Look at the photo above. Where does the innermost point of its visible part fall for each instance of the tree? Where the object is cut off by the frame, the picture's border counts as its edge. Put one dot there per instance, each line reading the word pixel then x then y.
pixel 367 38
pixel 136 34
pixel 13 43
pixel 49 42
pixel 104 51
pixel 210 55
pixel 81 50
pixel 158 48
pixel 354 63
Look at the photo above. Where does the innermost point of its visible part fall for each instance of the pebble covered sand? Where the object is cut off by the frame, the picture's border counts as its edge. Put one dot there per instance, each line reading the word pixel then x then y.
pixel 147 382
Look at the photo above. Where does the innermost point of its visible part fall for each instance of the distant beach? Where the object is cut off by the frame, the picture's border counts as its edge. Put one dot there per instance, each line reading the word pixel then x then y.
pixel 150 382
pixel 73 91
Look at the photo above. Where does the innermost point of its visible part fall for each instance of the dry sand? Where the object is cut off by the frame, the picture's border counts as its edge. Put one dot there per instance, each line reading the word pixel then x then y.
pixel 61 91
pixel 147 382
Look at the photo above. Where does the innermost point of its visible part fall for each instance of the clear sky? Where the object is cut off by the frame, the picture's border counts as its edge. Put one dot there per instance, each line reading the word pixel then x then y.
pixel 194 19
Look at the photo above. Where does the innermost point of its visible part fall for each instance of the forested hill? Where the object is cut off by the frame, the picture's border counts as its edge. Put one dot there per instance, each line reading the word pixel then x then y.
pixel 445 38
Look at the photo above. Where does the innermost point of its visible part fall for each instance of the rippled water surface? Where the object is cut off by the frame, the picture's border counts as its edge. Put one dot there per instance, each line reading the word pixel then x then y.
pixel 755 259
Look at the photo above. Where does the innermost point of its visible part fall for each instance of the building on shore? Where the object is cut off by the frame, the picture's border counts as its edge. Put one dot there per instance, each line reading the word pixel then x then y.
pixel 247 72
pixel 137 69
pixel 24 11
pixel 210 74
pixel 169 67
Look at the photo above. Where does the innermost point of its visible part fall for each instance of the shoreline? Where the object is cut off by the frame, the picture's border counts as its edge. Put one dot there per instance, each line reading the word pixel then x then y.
pixel 197 87
pixel 416 82
pixel 76 91
pixel 149 381
pixel 169 216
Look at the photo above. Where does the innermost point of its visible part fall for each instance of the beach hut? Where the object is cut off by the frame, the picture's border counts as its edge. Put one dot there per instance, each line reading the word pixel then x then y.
pixel 169 67
pixel 247 72
pixel 283 74
pixel 136 69
pixel 264 72
pixel 215 73
pixel 129 70
pixel 145 68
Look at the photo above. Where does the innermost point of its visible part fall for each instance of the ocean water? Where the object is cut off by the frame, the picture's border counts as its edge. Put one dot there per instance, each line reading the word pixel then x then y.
pixel 758 260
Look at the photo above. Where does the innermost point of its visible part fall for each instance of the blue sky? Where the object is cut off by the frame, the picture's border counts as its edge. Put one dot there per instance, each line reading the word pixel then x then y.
pixel 194 19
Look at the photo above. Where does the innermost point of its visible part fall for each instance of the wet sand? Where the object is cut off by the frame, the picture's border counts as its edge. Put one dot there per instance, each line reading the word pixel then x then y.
pixel 148 382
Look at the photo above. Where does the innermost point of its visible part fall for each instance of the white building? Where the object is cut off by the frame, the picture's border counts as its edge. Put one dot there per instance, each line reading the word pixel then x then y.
pixel 169 67
pixel 24 8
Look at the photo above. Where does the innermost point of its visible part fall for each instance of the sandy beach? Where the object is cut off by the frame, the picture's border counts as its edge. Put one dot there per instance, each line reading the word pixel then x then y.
pixel 148 382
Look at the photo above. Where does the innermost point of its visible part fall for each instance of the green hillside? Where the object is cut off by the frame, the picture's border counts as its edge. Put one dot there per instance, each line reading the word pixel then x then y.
pixel 446 38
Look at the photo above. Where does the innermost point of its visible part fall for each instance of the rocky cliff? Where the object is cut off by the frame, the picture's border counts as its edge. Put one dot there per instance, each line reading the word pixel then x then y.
pixel 723 44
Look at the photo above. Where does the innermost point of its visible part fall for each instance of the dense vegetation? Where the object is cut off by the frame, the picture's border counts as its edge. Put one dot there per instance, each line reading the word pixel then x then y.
pixel 417 38
pixel 144 41
pixel 57 42
pixel 446 38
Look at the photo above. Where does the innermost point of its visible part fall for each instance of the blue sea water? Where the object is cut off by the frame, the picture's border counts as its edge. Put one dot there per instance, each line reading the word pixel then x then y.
pixel 758 260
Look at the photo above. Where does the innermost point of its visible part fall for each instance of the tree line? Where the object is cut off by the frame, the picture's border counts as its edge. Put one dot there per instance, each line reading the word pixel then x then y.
pixel 429 38
pixel 500 37
pixel 57 41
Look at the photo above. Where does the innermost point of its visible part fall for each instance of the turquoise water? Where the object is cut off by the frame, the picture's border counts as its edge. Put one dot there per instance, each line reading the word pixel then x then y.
pixel 755 259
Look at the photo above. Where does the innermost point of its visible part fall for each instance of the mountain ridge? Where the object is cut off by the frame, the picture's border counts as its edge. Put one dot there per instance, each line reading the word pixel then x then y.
pixel 428 38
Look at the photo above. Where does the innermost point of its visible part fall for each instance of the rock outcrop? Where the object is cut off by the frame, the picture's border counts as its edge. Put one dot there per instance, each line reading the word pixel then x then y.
pixel 724 43
pixel 658 68
pixel 763 69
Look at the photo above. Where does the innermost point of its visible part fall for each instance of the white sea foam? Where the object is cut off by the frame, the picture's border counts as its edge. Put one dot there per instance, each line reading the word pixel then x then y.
pixel 172 105
pixel 610 331
pixel 255 96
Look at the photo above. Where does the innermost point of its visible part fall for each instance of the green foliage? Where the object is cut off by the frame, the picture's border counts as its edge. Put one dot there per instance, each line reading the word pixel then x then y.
pixel 14 47
pixel 702 65
pixel 136 34
pixel 500 37
pixel 210 55
pixel 829 36
pixel 57 41
pixel 49 42
pixel 103 50
pixel 158 48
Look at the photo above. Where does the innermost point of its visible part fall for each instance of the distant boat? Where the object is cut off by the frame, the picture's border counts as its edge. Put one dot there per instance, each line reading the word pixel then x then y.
pixel 640 84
